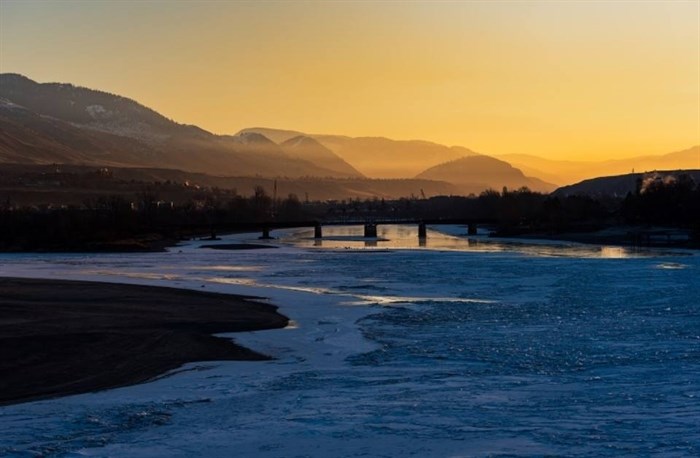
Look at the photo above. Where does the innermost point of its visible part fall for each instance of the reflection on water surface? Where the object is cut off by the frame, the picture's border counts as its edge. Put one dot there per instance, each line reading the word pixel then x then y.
pixel 454 238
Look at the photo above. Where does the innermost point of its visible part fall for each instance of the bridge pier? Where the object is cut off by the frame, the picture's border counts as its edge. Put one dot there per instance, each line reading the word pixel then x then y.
pixel 265 234
pixel 471 229
pixel 370 230
pixel 422 230
pixel 318 231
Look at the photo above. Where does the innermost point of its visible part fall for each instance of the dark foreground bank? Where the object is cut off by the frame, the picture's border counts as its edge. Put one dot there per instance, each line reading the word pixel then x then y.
pixel 68 337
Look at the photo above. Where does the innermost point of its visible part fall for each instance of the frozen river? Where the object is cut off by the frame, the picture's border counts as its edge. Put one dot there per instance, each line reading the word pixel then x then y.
pixel 456 348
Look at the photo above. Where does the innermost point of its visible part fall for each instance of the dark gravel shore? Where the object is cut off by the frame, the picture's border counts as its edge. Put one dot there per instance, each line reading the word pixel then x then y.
pixel 67 337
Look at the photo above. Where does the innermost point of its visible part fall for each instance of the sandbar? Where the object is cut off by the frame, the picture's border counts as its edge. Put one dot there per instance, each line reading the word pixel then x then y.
pixel 66 337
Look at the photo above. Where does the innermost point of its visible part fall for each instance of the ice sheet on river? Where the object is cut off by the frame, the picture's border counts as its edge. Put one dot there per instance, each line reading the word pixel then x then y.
pixel 439 350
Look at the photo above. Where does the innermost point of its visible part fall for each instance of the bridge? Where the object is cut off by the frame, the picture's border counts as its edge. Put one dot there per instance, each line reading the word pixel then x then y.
pixel 370 225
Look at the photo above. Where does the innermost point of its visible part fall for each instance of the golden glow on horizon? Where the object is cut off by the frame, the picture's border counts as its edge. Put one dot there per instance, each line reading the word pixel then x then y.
pixel 567 80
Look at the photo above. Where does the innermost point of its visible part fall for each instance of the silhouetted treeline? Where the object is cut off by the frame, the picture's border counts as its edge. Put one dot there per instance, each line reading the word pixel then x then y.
pixel 673 200
pixel 147 222
pixel 517 210
pixel 144 223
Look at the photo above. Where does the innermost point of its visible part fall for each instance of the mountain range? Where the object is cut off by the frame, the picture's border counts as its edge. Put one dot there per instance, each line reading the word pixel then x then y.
pixel 379 157
pixel 47 123
pixel 62 123
pixel 566 172
pixel 399 158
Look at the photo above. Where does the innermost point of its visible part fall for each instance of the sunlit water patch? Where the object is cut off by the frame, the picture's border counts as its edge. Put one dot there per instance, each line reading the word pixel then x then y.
pixel 453 238
pixel 671 265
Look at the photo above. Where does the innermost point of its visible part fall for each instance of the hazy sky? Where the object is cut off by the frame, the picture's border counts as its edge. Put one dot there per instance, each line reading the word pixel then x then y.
pixel 566 79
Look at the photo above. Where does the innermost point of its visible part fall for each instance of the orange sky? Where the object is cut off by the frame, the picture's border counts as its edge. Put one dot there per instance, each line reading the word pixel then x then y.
pixel 566 79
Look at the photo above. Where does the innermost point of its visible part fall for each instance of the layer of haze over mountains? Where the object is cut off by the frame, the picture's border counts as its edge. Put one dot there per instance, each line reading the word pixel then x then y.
pixel 64 124
pixel 566 172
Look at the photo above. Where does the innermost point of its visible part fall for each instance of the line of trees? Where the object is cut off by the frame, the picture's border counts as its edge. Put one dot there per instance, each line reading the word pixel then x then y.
pixel 144 223
pixel 115 222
